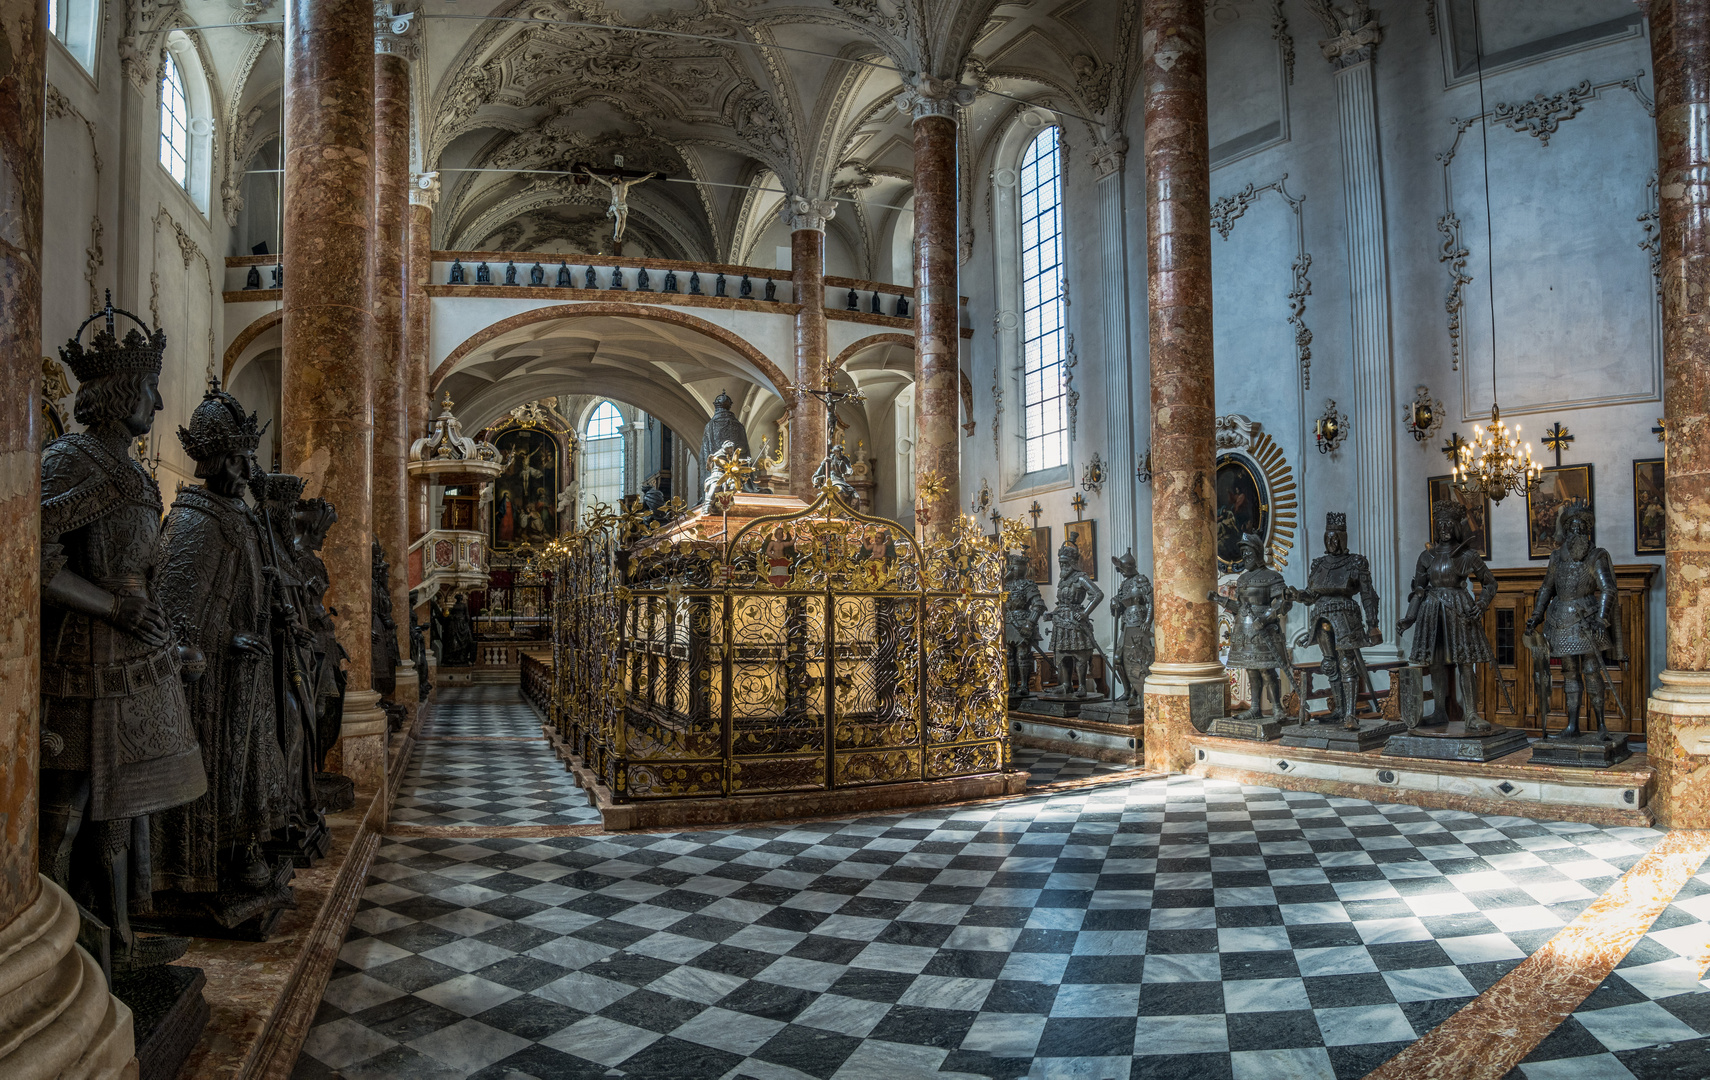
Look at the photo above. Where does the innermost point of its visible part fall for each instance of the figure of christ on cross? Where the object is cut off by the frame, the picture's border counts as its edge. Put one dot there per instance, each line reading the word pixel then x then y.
pixel 618 210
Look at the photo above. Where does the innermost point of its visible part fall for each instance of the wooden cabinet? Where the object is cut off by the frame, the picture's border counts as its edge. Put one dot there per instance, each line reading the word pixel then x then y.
pixel 1505 626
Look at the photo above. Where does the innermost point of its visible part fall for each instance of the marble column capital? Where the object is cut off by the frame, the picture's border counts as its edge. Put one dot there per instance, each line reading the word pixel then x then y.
pixel 1354 33
pixel 1109 157
pixel 798 213
pixel 424 189
pixel 395 31
pixel 928 95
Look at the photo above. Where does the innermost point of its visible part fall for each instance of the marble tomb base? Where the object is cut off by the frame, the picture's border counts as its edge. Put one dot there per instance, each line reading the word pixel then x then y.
pixel 1087 735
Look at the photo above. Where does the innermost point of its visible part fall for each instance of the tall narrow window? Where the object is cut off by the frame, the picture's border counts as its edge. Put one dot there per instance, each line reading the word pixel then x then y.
pixel 1045 421
pixel 77 25
pixel 602 456
pixel 174 122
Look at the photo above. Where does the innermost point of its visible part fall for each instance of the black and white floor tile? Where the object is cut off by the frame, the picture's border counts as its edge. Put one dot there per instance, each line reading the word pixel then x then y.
pixel 1046 767
pixel 1156 928
pixel 490 783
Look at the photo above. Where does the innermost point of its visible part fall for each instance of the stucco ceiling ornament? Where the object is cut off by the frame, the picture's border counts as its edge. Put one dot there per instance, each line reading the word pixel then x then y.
pixel 928 95
pixel 1355 33
pixel 1543 115
pixel 798 213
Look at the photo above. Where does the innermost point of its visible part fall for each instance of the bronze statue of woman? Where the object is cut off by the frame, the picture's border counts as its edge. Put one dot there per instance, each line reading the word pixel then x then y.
pixel 214 590
pixel 117 742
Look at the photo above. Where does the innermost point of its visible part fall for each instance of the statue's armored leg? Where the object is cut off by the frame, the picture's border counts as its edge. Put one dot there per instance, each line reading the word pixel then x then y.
pixel 1348 668
pixel 64 797
pixel 1273 685
pixel 1255 695
pixel 1466 691
pixel 1572 693
pixel 1594 691
pixel 1442 692
pixel 1333 679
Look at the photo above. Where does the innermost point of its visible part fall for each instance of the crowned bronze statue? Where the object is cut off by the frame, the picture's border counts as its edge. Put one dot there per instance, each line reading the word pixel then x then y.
pixel 382 628
pixel 312 518
pixel 1450 643
pixel 1132 606
pixel 1579 608
pixel 723 427
pixel 1072 640
pixel 306 837
pixel 1022 609
pixel 215 590
pixel 117 742
pixel 1257 604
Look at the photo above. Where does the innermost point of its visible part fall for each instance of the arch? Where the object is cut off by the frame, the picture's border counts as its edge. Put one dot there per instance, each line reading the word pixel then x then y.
pixel 867 343
pixel 199 102
pixel 781 385
pixel 245 338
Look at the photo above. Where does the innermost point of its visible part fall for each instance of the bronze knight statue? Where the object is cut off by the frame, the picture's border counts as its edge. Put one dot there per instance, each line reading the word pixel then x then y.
pixel 1450 635
pixel 117 742
pixel 1132 606
pixel 1258 603
pixel 1578 607
pixel 215 591
pixel 1344 618
pixel 1022 609
pixel 1072 641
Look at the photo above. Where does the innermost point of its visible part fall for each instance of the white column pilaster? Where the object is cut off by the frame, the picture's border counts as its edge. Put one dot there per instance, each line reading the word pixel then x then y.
pixel 1123 526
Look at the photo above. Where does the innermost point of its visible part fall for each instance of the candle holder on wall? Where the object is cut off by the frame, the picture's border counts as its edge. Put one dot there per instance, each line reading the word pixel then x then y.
pixel 1330 429
pixel 1092 477
pixel 1423 416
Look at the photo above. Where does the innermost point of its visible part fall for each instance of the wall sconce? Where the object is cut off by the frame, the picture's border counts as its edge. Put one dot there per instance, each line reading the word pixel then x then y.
pixel 1423 416
pixel 147 448
pixel 1330 429
pixel 1143 469
pixel 1092 477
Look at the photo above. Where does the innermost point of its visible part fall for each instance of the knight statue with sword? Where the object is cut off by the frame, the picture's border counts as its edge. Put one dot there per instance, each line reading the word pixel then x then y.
pixel 1577 606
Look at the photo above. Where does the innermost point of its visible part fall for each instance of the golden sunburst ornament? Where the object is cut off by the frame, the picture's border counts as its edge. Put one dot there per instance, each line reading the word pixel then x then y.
pixel 930 487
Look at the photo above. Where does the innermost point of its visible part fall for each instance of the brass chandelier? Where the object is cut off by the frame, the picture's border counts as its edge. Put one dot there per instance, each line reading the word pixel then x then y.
pixel 1496 463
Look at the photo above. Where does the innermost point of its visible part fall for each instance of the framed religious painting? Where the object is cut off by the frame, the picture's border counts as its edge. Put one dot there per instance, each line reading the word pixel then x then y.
pixel 1442 489
pixel 1560 485
pixel 1243 507
pixel 1084 535
pixel 525 504
pixel 1039 556
pixel 1650 510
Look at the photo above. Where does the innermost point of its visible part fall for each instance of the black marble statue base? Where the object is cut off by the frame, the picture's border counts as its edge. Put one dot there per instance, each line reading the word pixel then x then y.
pixel 334 791
pixel 1333 736
pixel 235 915
pixel 1126 713
pixel 304 847
pixel 169 1013
pixel 1451 742
pixel 1592 751
pixel 1064 706
pixel 1263 729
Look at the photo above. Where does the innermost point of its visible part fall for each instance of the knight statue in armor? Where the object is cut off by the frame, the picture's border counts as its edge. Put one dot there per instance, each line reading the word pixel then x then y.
pixel 216 592
pixel 723 427
pixel 1578 607
pixel 1450 635
pixel 117 742
pixel 294 644
pixel 1343 621
pixel 312 519
pixel 1257 604
pixel 382 627
pixel 1132 607
pixel 1072 641
pixel 1022 609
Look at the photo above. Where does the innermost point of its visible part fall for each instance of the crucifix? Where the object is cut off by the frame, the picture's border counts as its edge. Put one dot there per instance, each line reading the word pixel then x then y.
pixel 1035 510
pixel 1557 439
pixel 1079 502
pixel 832 398
pixel 1452 447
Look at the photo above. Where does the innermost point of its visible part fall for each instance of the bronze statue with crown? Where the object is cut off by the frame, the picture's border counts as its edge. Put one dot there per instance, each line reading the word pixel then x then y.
pixel 117 743
pixel 1072 640
pixel 212 852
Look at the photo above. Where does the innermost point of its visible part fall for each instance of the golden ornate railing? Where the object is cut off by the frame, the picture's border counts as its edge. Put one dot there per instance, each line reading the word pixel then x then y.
pixel 812 651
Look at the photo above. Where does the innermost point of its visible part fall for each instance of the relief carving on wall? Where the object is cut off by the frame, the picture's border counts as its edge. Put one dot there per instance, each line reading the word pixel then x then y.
pixel 1227 210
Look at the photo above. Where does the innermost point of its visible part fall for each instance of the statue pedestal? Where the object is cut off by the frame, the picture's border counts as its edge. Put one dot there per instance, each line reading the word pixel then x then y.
pixel 1064 706
pixel 1583 752
pixel 1451 742
pixel 1115 712
pixel 169 1012
pixel 1372 734
pixel 1263 729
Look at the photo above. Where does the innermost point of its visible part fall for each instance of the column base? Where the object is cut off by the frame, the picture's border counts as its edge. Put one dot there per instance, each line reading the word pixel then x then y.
pixel 1181 700
pixel 1677 744
pixel 361 749
pixel 60 1019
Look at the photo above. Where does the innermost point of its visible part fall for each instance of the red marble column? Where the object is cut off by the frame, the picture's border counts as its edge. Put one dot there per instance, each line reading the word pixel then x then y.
pixel 937 311
pixel 1185 688
pixel 46 981
pixel 392 398
pixel 417 307
pixel 807 280
pixel 1678 732
pixel 327 425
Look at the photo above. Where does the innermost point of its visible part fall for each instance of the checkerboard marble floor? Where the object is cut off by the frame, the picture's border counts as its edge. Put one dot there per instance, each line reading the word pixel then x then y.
pixel 1155 928
pixel 1044 767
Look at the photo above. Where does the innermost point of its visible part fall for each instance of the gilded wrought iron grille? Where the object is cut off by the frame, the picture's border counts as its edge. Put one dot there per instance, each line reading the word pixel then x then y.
pixel 816 650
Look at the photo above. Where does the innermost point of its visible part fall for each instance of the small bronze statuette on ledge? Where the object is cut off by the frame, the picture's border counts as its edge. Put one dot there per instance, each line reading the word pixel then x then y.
pixel 1258 603
pixel 1578 607
pixel 1450 643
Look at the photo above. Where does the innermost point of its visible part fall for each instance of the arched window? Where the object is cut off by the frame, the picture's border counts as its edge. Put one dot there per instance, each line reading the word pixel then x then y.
pixel 1045 421
pixel 602 456
pixel 174 122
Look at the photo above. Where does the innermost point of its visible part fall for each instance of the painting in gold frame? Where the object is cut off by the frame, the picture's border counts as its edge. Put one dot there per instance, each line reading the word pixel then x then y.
pixel 1084 535
pixel 1039 556
pixel 1559 484
pixel 1650 508
pixel 1442 489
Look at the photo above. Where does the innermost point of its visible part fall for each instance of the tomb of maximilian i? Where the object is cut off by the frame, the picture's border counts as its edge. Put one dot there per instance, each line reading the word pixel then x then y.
pixel 855 539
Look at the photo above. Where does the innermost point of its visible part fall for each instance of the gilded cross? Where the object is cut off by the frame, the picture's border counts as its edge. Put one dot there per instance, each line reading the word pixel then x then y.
pixel 1079 502
pixel 1661 430
pixel 1035 510
pixel 1452 447
pixel 1557 439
